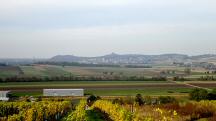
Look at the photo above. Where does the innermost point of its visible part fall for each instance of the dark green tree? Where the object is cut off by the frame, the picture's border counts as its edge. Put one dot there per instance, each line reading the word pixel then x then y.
pixel 198 94
pixel 139 99
pixel 212 95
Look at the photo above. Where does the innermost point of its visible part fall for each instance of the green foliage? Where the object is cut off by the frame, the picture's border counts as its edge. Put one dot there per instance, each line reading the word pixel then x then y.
pixel 199 94
pixel 212 95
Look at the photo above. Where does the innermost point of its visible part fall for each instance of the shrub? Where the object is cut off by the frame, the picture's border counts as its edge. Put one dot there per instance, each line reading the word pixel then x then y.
pixel 166 99
pixel 139 99
pixel 91 99
pixel 212 95
pixel 198 94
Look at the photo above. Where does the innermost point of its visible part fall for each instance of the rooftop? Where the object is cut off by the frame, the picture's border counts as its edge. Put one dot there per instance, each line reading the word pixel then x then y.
pixel 63 89
pixel 5 91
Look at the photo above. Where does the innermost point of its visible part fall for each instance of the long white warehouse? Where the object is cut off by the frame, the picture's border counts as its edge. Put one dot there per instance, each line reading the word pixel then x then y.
pixel 63 92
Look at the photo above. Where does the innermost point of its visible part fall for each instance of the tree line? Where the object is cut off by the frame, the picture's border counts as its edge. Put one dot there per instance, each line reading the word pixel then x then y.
pixel 80 78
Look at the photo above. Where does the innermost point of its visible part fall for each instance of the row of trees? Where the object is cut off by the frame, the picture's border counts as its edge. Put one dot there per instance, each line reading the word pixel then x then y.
pixel 147 100
pixel 210 72
pixel 196 94
pixel 207 78
pixel 81 78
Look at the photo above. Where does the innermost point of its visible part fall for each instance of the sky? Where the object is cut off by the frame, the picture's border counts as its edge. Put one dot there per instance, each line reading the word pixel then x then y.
pixel 45 28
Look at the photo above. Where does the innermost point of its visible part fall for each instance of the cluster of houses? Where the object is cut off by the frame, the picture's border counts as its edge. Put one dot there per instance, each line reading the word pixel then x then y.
pixel 5 95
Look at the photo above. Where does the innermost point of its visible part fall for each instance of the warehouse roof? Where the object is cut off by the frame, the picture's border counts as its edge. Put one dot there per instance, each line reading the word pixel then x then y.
pixel 4 92
pixel 64 89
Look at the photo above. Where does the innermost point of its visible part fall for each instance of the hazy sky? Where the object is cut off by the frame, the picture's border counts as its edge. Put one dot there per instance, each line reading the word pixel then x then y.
pixel 44 28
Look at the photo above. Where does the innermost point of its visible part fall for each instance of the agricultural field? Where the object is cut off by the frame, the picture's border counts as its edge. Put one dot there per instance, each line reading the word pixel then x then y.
pixel 117 95
pixel 103 88
pixel 147 72
pixel 51 70
pixel 43 71
pixel 107 88
pixel 9 71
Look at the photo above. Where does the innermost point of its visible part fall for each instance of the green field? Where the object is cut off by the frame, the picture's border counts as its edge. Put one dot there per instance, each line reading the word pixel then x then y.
pixel 78 83
pixel 101 88
pixel 50 71
pixel 124 92
pixel 44 71
pixel 144 92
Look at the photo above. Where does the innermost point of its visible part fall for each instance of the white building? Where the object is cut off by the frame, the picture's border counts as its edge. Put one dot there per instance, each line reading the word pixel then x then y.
pixel 63 92
pixel 4 95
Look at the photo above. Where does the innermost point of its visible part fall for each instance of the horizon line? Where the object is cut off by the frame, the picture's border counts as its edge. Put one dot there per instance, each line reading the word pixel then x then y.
pixel 32 58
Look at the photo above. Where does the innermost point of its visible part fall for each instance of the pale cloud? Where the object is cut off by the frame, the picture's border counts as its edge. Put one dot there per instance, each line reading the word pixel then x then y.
pixel 43 28
pixel 11 5
pixel 92 41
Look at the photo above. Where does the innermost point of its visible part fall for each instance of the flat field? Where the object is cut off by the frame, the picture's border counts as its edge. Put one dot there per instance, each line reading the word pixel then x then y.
pixel 106 88
pixel 102 88
pixel 50 71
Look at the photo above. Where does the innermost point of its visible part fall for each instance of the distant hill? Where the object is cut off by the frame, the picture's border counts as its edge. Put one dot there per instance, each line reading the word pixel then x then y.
pixel 114 58
pixel 65 58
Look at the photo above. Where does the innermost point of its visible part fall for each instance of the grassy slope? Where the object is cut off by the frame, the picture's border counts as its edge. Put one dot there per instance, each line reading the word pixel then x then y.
pixel 44 71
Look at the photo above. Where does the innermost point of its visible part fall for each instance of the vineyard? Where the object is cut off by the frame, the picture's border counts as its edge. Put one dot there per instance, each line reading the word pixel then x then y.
pixel 107 110
pixel 34 111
